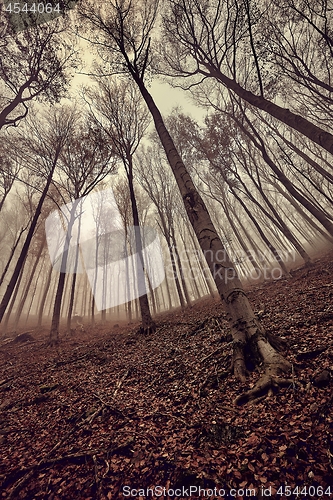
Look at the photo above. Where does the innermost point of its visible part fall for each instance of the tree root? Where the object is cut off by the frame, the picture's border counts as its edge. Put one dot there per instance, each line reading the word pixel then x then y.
pixel 276 341
pixel 264 385
pixel 53 341
pixel 147 330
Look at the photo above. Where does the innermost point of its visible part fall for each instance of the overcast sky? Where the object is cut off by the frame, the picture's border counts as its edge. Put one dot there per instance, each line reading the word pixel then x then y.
pixel 165 96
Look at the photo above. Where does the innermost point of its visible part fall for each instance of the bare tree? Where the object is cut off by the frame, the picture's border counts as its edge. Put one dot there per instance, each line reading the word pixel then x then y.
pixel 156 181
pixel 123 30
pixel 46 139
pixel 209 39
pixel 297 41
pixel 34 64
pixel 249 129
pixel 9 167
pixel 85 161
pixel 117 109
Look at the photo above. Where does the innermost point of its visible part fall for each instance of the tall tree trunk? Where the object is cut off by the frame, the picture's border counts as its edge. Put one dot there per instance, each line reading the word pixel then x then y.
pixel 13 299
pixel 43 299
pixel 181 270
pixel 175 276
pixel 28 284
pixel 277 220
pixel 321 170
pixel 193 279
pixel 303 214
pixel 76 263
pixel 12 252
pixel 152 296
pixel 261 232
pixel 198 253
pixel 84 297
pixel 259 254
pixel 162 306
pixel 137 309
pixel 33 294
pixel 167 286
pixel 127 283
pixel 148 325
pixel 259 143
pixel 248 334
pixel 51 301
pixel 95 283
pixel 244 246
pixel 54 332
pixel 317 186
pixel 89 300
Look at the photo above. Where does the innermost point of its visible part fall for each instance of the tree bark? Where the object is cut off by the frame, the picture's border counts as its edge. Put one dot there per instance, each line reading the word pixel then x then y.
pixel 43 299
pixel 54 332
pixel 148 325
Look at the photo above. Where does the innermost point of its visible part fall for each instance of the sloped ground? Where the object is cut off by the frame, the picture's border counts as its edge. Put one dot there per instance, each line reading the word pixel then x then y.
pixel 105 417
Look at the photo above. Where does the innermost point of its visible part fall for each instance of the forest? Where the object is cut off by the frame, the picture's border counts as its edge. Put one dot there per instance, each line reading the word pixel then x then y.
pixel 166 249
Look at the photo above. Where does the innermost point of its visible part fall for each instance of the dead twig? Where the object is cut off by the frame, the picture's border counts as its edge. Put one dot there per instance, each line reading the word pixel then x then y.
pixel 168 416
pixel 72 457
pixel 30 474
pixel 105 404
pixel 120 383
pixel 97 481
pixel 214 352
pixel 107 468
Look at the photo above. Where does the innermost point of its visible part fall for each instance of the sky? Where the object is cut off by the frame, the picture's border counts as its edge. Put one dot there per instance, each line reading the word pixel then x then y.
pixel 165 96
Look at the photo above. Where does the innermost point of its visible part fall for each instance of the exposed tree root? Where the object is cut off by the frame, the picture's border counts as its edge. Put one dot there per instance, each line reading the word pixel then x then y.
pixel 53 343
pixel 147 330
pixel 277 342
pixel 254 349
pixel 264 385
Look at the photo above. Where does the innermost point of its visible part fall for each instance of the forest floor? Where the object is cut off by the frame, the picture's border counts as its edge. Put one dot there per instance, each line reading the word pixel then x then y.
pixel 111 413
